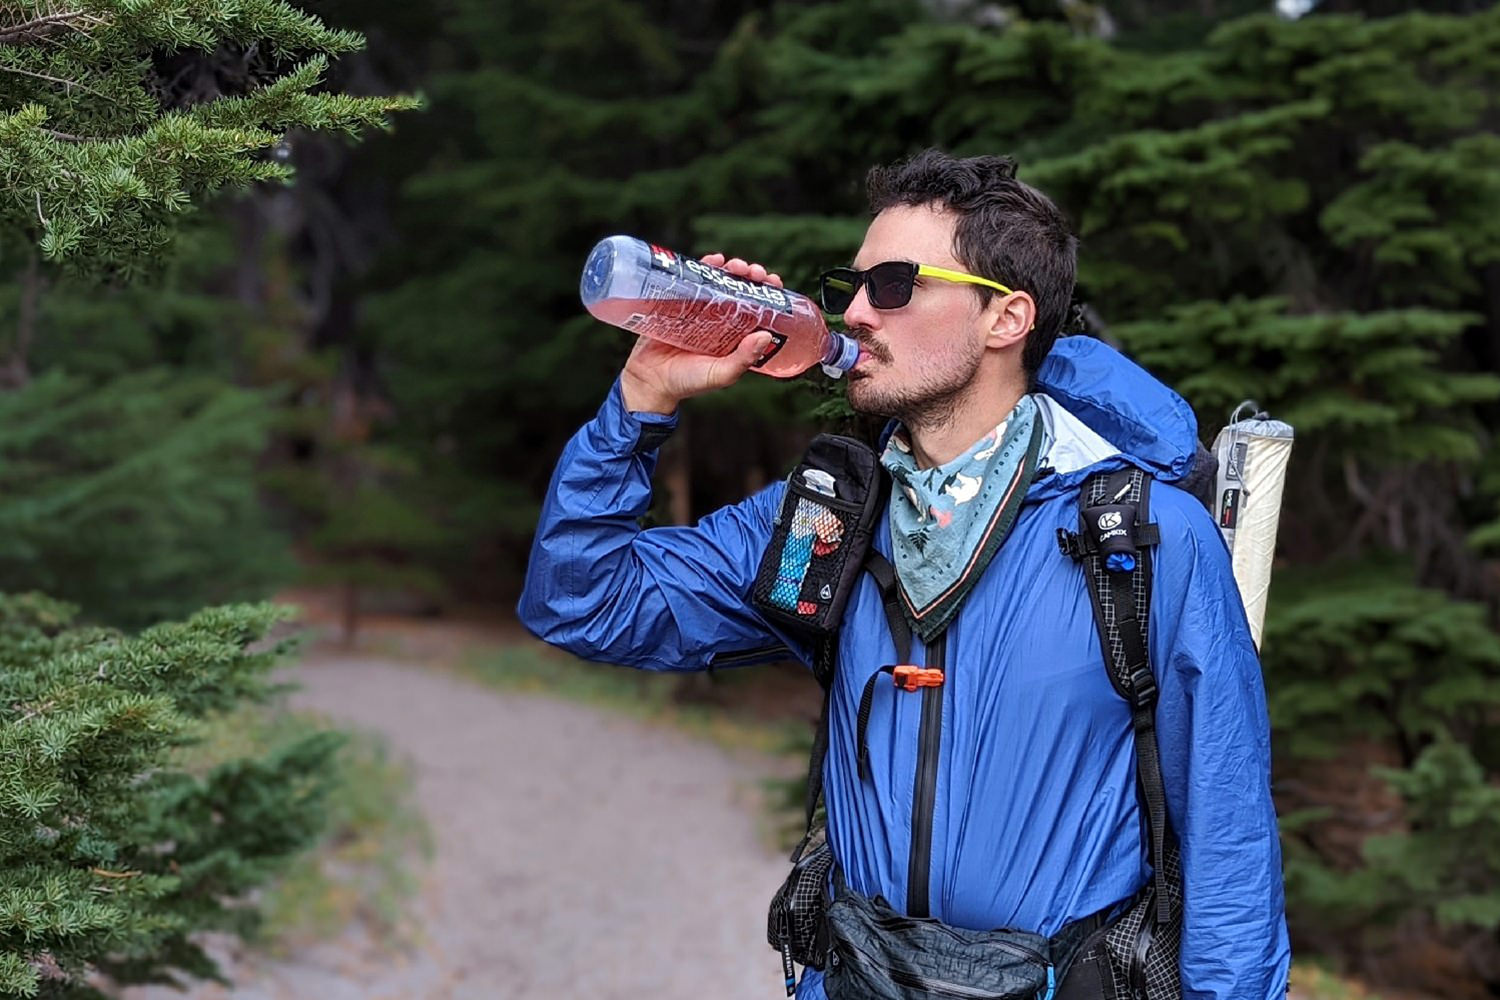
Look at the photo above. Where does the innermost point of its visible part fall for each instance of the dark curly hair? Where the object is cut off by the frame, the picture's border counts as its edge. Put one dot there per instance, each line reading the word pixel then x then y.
pixel 1007 231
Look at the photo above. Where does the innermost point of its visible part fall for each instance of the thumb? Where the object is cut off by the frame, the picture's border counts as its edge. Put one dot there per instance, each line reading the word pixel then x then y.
pixel 750 351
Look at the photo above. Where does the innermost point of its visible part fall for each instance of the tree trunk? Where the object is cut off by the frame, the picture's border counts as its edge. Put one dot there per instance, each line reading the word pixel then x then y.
pixel 16 370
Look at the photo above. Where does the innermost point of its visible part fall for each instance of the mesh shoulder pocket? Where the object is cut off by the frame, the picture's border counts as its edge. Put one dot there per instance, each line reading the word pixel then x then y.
pixel 821 535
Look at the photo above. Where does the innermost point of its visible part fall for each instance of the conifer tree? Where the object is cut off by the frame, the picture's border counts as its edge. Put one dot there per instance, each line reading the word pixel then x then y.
pixel 103 140
pixel 115 855
pixel 136 498
pixel 125 117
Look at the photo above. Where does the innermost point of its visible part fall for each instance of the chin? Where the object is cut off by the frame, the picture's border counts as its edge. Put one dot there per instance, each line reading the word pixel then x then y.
pixel 866 398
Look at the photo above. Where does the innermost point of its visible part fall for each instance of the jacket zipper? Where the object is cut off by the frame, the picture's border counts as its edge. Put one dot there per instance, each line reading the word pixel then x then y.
pixel 924 794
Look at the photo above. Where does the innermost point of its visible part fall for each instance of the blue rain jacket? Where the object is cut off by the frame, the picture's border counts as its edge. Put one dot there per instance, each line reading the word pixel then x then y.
pixel 1036 821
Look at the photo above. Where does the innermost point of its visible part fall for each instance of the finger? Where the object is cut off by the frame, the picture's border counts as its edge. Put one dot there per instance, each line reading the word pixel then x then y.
pixel 713 259
pixel 737 265
pixel 757 273
pixel 750 350
pixel 755 346
pixel 729 369
pixel 772 278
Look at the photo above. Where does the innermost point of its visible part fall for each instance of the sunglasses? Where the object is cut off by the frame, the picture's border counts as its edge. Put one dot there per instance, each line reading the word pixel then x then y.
pixel 888 284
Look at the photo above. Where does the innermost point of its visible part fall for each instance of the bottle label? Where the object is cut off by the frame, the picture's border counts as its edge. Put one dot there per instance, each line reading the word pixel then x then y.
pixel 688 269
pixel 778 341
pixel 690 305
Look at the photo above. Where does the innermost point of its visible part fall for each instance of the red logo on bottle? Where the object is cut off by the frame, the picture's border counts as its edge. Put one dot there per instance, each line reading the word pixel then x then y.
pixel 663 258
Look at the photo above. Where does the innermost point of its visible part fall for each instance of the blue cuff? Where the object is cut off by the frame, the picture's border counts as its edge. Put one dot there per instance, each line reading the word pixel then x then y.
pixel 634 431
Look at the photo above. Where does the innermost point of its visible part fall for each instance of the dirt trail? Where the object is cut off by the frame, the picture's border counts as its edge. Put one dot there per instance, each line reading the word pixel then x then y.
pixel 576 853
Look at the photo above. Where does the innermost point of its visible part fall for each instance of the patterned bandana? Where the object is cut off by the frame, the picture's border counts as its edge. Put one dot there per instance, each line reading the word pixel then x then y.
pixel 948 522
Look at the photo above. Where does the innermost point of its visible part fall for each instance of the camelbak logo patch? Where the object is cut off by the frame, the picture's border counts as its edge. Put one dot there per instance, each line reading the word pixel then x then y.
pixel 1109 520
pixel 826 593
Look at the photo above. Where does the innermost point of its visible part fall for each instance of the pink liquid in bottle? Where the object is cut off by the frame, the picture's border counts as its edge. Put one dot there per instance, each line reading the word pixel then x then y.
pixel 657 293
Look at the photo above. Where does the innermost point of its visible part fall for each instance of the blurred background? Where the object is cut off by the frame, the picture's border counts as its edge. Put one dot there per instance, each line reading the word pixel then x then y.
pixel 350 391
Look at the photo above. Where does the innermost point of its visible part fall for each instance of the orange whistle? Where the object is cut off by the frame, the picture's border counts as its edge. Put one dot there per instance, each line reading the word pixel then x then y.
pixel 909 677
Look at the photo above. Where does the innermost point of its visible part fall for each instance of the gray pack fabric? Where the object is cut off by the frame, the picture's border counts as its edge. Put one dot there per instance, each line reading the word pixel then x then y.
pixel 876 953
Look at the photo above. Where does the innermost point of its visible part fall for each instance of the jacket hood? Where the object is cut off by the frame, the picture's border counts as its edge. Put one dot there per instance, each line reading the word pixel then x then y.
pixel 1137 417
pixel 1117 399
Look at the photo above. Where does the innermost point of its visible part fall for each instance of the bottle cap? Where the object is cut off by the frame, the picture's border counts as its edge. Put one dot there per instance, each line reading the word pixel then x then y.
pixel 843 354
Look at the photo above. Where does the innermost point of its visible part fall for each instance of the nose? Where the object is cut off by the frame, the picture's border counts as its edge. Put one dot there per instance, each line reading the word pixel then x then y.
pixel 860 313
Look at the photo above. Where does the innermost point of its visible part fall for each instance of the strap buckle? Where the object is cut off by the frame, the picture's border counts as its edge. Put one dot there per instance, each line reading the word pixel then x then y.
pixel 910 677
pixel 1143 687
pixel 1071 543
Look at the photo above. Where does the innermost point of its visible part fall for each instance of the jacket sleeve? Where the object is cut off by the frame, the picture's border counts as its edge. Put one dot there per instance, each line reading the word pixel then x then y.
pixel 666 598
pixel 1215 740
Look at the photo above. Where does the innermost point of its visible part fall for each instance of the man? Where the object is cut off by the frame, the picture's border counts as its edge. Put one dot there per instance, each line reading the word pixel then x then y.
pixel 1034 821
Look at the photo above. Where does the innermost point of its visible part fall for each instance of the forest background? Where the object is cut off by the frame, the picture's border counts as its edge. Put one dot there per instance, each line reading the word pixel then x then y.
pixel 362 380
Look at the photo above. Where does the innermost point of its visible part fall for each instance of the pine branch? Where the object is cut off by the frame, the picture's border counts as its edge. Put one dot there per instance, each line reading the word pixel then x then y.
pixel 47 25
pixel 69 137
pixel 55 79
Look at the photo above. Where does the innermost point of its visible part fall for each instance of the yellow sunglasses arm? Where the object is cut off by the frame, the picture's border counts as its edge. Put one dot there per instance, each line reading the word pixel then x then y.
pixel 943 274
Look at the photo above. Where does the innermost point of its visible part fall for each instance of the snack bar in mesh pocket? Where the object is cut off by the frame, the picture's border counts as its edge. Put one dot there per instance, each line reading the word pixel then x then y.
pixel 815 531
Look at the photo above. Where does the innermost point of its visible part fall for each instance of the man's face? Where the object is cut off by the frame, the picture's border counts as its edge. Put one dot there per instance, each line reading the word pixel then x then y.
pixel 918 360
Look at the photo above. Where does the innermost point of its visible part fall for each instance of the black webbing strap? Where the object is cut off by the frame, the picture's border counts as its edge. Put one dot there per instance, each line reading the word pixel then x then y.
pixel 884 573
pixel 826 657
pixel 907 677
pixel 1142 694
pixel 866 702
pixel 924 790
pixel 1133 677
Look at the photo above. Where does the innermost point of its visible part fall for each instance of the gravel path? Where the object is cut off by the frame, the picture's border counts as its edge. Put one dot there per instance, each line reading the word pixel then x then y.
pixel 577 854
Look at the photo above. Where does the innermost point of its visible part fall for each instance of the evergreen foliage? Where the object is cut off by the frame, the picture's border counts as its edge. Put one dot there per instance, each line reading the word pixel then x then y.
pixel 99 151
pixel 370 537
pixel 113 855
pixel 1296 211
pixel 127 462
pixel 135 498
pixel 134 492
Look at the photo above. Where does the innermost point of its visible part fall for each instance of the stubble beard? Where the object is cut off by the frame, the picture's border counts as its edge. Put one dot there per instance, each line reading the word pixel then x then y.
pixel 929 401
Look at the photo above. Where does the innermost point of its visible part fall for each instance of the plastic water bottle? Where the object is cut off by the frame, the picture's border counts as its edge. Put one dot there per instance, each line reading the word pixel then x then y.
pixel 657 293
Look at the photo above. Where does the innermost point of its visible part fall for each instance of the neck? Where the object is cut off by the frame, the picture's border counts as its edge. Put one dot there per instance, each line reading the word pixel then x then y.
pixel 937 439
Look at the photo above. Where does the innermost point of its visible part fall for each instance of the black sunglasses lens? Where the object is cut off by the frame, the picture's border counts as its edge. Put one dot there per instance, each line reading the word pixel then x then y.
pixel 837 288
pixel 889 284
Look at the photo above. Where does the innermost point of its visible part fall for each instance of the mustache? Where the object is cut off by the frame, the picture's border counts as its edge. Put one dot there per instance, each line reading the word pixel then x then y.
pixel 863 338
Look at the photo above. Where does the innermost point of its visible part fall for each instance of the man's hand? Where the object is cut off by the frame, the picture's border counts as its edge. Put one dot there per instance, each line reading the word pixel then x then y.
pixel 658 376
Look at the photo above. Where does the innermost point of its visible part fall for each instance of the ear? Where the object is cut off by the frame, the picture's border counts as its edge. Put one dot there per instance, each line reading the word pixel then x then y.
pixel 1011 317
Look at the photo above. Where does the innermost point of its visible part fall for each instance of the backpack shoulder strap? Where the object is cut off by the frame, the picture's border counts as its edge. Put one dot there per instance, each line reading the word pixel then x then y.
pixel 825 659
pixel 1113 531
